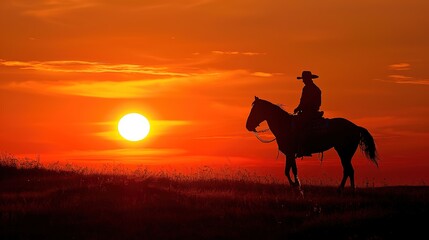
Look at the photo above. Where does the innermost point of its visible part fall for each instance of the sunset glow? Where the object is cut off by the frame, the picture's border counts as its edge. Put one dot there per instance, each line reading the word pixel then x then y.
pixel 69 70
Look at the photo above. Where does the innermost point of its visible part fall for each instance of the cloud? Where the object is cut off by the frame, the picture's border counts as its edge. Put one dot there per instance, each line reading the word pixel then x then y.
pixel 400 66
pixel 262 74
pixel 131 88
pixel 237 53
pixel 139 82
pixel 418 82
pixel 100 89
pixel 401 79
pixel 88 67
pixel 47 9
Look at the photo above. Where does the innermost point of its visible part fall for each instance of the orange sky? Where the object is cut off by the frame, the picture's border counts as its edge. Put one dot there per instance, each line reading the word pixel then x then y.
pixel 70 69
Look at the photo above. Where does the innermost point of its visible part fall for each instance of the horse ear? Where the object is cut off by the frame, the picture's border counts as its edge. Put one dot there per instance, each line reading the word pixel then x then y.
pixel 256 98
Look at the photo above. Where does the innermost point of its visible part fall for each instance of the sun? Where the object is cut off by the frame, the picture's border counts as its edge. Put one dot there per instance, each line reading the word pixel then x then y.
pixel 133 127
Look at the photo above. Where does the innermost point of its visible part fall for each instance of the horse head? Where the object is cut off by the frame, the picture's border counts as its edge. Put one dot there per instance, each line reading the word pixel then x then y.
pixel 257 115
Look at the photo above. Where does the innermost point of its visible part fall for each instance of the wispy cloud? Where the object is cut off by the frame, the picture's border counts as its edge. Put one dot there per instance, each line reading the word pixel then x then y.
pixel 237 53
pixel 262 74
pixel 143 82
pixel 128 88
pixel 401 79
pixel 400 66
pixel 88 67
pixel 100 89
pixel 47 9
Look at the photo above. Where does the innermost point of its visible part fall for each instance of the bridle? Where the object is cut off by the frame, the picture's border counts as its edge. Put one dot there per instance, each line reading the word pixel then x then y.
pixel 256 133
pixel 265 130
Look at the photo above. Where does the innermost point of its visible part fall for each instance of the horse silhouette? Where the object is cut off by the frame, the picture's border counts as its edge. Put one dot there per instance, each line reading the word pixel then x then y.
pixel 339 133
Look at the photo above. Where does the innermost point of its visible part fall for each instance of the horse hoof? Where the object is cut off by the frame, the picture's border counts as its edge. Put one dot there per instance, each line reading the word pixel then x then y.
pixel 299 192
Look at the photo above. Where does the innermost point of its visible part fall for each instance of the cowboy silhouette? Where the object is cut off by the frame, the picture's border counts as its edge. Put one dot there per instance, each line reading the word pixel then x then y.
pixel 307 110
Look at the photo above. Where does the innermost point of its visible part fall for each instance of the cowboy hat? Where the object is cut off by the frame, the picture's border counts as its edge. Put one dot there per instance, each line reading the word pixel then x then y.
pixel 307 74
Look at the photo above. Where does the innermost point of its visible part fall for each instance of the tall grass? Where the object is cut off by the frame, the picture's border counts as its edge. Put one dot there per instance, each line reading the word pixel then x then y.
pixel 67 202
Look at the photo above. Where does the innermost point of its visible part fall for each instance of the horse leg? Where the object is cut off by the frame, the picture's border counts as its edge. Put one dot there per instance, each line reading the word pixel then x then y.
pixel 291 164
pixel 288 168
pixel 295 173
pixel 348 171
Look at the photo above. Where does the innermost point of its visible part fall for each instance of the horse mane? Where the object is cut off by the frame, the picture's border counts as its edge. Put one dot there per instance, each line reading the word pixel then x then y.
pixel 277 107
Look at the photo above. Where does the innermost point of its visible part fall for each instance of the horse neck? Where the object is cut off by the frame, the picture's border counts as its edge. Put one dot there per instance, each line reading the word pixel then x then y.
pixel 278 121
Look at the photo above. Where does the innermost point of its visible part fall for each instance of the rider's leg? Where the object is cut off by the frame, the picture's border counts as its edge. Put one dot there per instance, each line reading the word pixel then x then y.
pixel 302 135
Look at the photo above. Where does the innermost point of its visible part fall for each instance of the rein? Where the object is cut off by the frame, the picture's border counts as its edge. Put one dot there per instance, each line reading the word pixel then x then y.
pixel 266 141
pixel 262 140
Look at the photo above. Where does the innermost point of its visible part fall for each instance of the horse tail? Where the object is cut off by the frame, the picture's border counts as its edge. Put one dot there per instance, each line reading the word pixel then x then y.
pixel 367 145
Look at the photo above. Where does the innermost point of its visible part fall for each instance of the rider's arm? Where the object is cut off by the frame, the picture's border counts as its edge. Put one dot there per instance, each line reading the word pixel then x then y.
pixel 301 101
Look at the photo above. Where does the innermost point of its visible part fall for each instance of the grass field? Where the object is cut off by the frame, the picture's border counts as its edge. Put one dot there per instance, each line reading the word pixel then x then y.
pixel 38 203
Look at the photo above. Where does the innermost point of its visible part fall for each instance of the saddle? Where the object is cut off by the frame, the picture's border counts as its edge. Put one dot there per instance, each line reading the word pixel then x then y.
pixel 307 130
pixel 311 124
pixel 318 125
